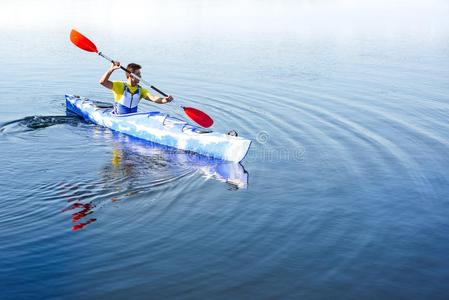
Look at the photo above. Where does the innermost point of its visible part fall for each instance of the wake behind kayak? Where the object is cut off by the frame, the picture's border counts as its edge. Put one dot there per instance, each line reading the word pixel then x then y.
pixel 35 122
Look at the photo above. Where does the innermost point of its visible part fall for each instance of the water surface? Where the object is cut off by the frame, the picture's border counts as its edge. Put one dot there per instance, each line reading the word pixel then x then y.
pixel 347 175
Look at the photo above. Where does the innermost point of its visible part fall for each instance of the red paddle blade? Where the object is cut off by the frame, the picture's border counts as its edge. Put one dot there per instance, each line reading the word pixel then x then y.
pixel 82 42
pixel 198 116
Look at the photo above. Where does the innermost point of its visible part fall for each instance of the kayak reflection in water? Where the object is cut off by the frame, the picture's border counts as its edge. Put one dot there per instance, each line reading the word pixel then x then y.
pixel 127 94
pixel 140 165
pixel 143 170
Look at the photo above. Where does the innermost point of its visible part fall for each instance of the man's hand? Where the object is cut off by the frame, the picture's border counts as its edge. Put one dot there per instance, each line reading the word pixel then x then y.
pixel 167 99
pixel 115 65
pixel 104 80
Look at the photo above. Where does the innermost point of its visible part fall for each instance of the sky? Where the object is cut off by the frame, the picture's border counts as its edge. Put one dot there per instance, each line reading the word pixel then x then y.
pixel 412 16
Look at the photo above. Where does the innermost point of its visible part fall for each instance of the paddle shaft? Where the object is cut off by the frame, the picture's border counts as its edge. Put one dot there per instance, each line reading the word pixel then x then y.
pixel 134 75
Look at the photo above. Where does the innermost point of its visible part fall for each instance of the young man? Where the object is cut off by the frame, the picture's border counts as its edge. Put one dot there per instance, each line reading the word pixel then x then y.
pixel 128 94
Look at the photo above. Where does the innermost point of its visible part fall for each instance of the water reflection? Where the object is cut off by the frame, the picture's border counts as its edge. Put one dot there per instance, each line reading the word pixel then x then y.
pixel 133 157
pixel 141 168
pixel 78 215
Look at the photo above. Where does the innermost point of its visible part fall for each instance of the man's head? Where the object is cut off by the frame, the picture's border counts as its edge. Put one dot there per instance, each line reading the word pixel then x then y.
pixel 135 69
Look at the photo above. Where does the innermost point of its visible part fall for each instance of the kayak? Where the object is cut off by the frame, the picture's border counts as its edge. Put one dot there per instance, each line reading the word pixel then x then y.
pixel 161 128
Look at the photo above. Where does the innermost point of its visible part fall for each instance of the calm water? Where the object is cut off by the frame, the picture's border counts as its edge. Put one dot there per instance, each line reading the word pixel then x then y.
pixel 347 194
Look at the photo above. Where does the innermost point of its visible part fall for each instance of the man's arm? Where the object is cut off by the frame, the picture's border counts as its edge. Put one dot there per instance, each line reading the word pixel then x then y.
pixel 104 80
pixel 159 100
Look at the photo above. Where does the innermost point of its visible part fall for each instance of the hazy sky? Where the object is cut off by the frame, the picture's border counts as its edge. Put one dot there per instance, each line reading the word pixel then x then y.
pixel 419 16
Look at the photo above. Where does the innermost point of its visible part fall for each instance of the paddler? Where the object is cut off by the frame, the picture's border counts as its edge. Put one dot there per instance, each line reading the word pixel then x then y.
pixel 127 94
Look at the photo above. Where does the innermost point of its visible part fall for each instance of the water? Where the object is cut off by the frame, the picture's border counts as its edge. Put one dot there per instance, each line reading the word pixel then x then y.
pixel 347 184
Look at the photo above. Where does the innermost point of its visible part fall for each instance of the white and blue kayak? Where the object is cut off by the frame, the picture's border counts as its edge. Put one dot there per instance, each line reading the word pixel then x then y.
pixel 161 128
